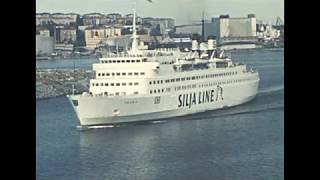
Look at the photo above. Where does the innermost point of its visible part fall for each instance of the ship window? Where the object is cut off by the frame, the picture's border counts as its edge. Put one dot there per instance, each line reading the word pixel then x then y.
pixel 92 84
pixel 177 79
pixel 123 61
pixel 136 74
pixel 150 91
pixel 130 74
pixel 118 74
pixel 168 89
pixel 97 84
pixel 110 61
pixel 106 84
pixel 158 90
pixel 117 84
pixel 144 60
pixel 127 61
pixel 202 77
pixel 112 74
pixel 114 61
pixel 102 74
pixel 130 84
pixel 182 79
pixel 166 81
pixel 101 84
pixel 138 60
pixel 123 74
pixel 142 73
pixel 155 91
pixel 162 90
pixel 136 83
pixel 154 82
pixel 99 74
pixel 172 80
pixel 133 61
pixel 108 74
pixel 161 81
pixel 193 78
pixel 188 78
pixel 117 93
pixel 136 92
pixel 158 82
pixel 112 84
pixel 150 82
pixel 118 61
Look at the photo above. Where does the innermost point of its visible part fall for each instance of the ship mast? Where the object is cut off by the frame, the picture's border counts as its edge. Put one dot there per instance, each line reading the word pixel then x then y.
pixel 134 48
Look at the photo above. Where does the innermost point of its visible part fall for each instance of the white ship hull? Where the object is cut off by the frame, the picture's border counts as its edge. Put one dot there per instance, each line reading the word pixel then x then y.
pixel 101 110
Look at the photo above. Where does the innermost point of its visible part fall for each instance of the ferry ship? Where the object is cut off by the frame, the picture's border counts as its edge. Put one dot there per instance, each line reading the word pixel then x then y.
pixel 131 87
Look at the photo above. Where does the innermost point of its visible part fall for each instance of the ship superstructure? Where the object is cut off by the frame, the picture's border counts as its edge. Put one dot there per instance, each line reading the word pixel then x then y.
pixel 132 86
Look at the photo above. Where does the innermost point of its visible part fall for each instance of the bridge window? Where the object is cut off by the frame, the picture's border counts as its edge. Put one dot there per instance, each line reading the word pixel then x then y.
pixel 188 78
pixel 193 78
pixel 177 79
pixel 102 74
pixel 112 74
pixel 123 84
pixel 142 73
pixel 138 60
pixel 122 61
pixel 97 84
pixel 133 61
pixel 112 84
pixel 155 91
pixel 123 74
pixel 92 84
pixel 114 61
pixel 150 82
pixel 182 79
pixel 108 74
pixel 158 90
pixel 136 83
pixel 117 84
pixel 117 93
pixel 150 91
pixel 118 74
pixel 154 82
pixel 136 73
pixel 127 61
pixel 118 61
pixel 161 81
pixel 172 80
pixel 130 84
pixel 158 82
pixel 98 74
pixel 166 81
pixel 106 84
pixel 101 84
pixel 136 92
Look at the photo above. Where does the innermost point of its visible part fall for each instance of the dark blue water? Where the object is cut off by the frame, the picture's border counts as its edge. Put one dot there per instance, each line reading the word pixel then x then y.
pixel 243 142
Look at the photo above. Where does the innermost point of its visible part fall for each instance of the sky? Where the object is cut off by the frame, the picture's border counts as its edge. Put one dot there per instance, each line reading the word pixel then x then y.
pixel 183 11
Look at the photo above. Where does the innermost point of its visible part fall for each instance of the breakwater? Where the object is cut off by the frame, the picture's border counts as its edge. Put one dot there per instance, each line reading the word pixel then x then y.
pixel 58 82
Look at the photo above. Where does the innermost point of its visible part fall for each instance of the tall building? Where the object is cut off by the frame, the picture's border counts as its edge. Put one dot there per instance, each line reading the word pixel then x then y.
pixel 226 27
pixel 94 36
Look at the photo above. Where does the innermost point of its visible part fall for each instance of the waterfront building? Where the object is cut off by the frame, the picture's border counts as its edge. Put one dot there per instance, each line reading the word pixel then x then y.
pixel 96 35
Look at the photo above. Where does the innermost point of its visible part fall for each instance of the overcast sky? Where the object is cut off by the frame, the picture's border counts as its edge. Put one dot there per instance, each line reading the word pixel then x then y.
pixel 183 11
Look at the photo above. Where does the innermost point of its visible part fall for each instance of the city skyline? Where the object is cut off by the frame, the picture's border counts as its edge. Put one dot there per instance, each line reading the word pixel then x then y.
pixel 190 13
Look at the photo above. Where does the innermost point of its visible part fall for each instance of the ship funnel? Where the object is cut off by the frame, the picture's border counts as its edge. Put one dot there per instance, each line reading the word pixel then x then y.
pixel 211 44
pixel 195 45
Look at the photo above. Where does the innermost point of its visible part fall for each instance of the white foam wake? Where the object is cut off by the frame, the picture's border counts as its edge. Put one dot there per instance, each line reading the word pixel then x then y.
pixel 271 89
